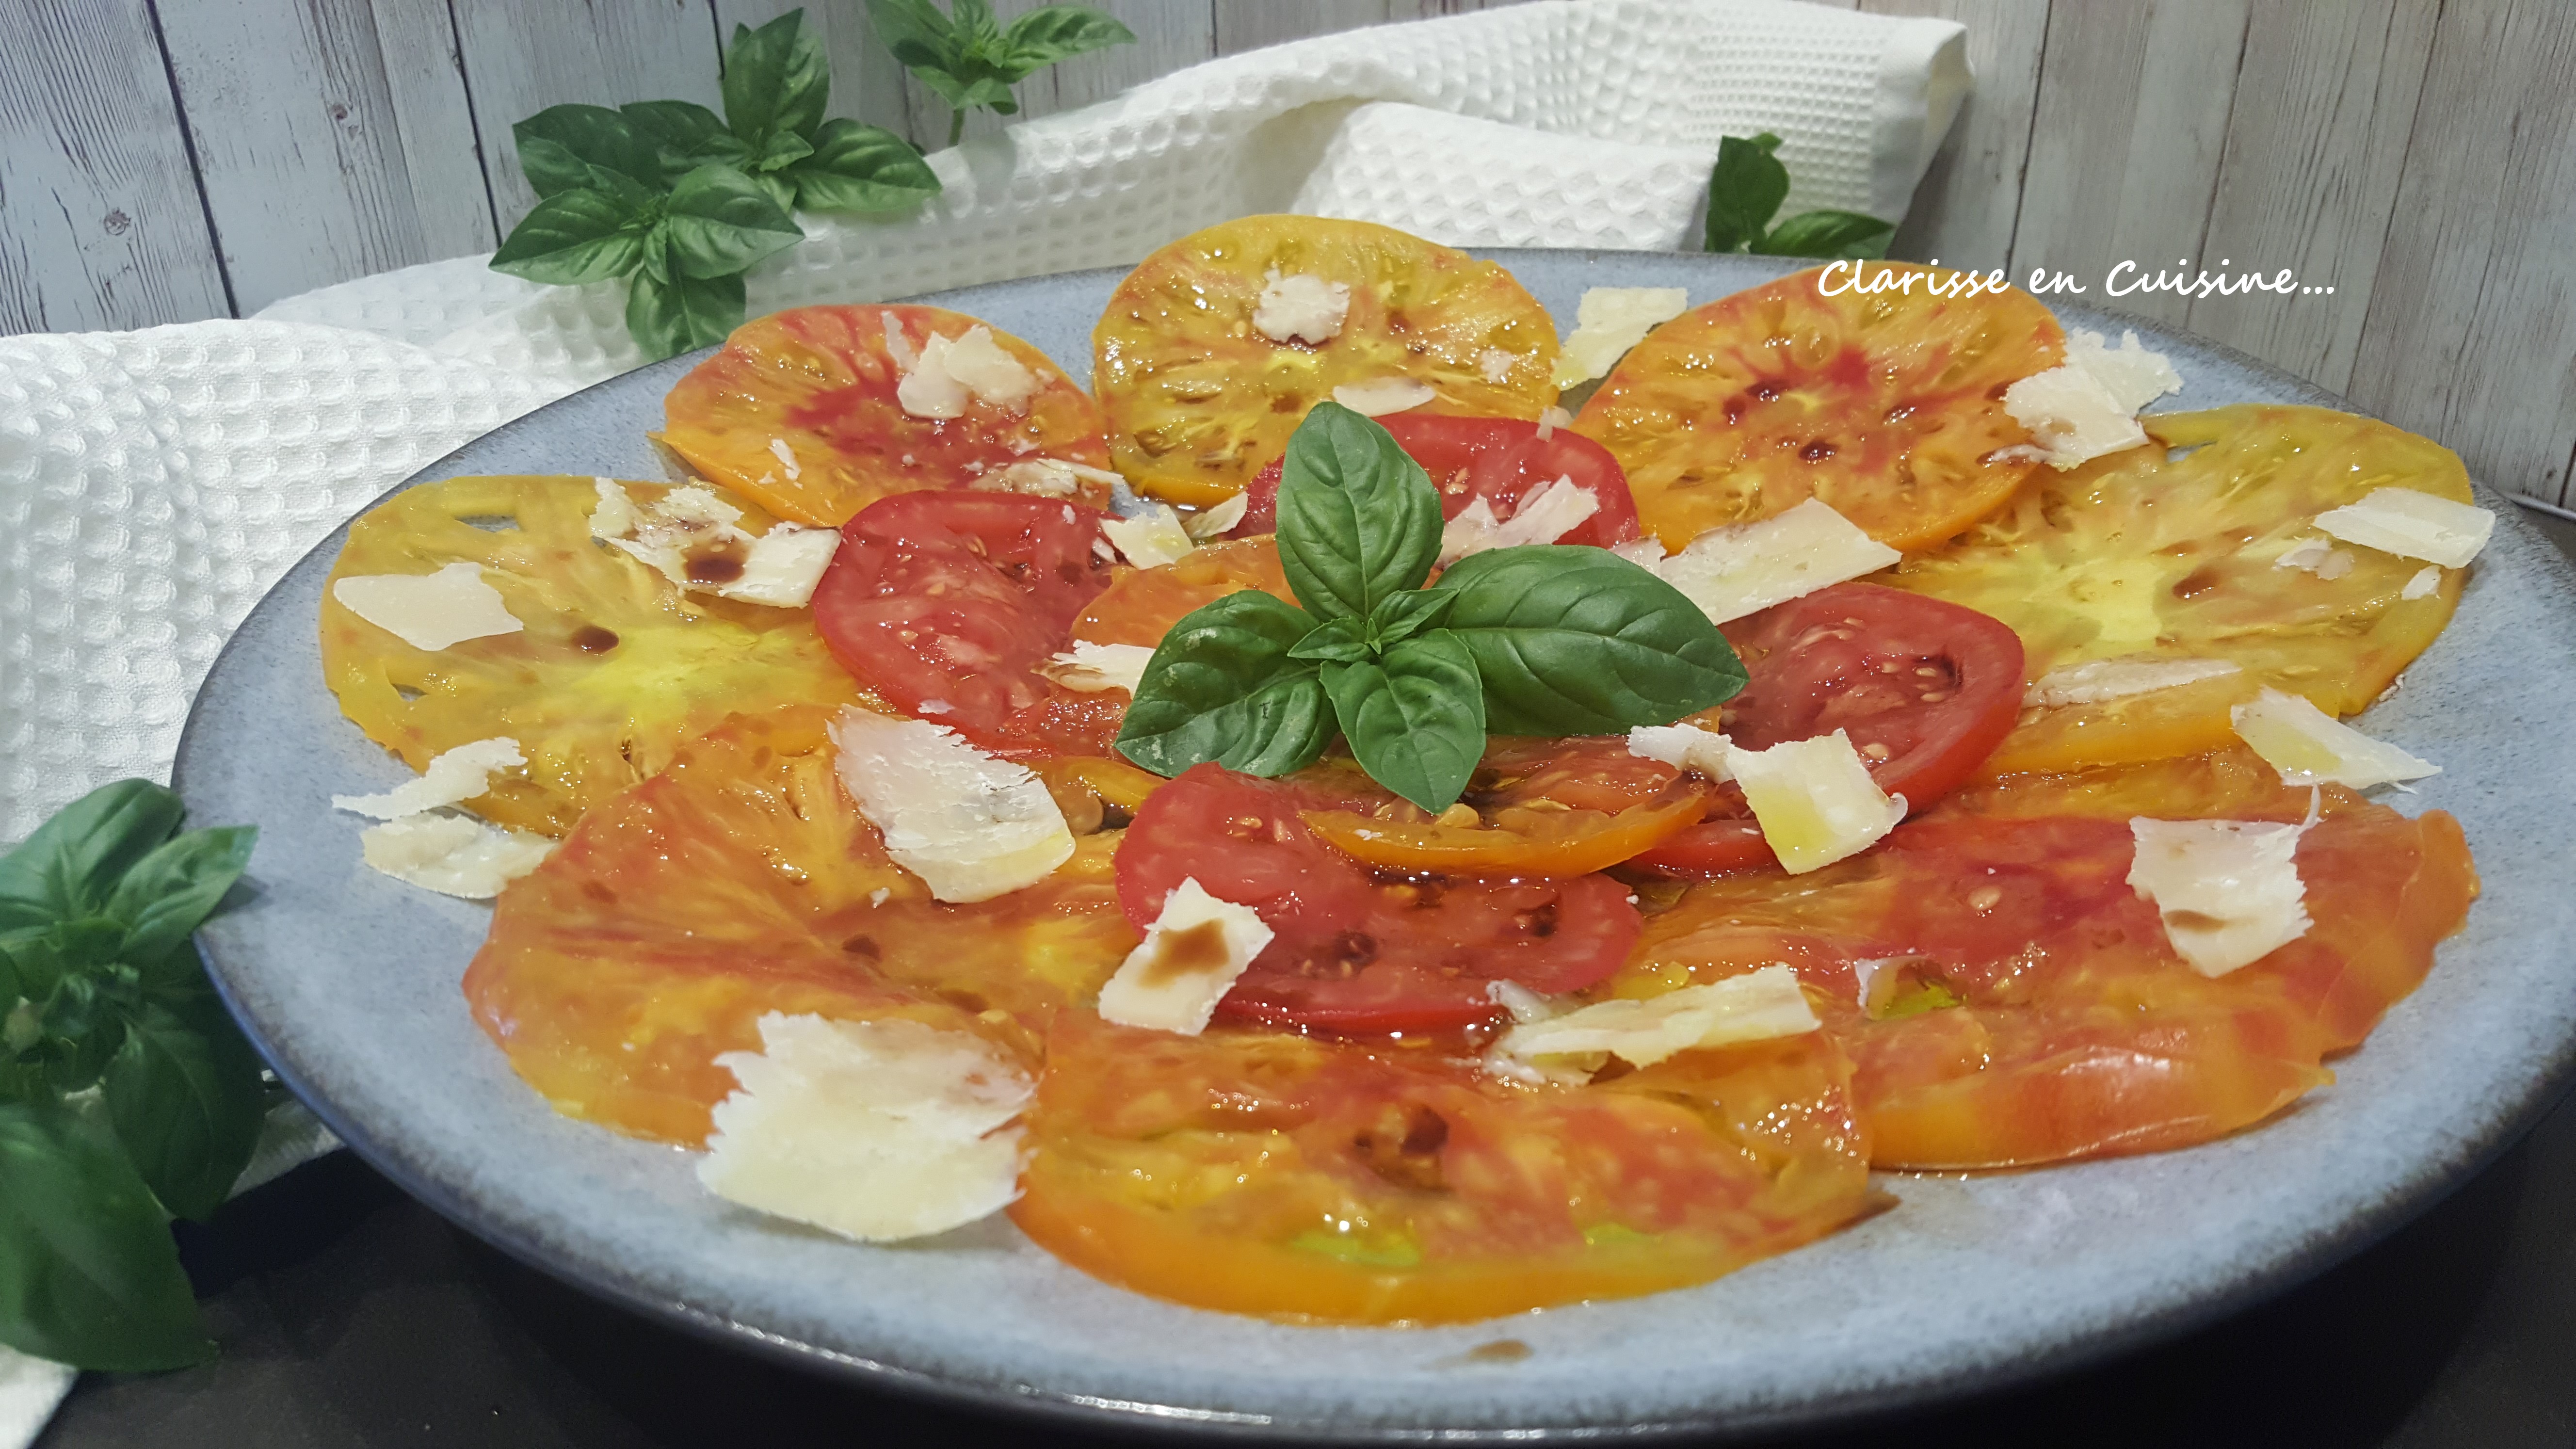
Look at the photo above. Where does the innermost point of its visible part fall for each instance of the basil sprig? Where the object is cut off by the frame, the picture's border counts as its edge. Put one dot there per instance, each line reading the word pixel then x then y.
pixel 681 201
pixel 1543 640
pixel 1745 190
pixel 127 1096
pixel 972 59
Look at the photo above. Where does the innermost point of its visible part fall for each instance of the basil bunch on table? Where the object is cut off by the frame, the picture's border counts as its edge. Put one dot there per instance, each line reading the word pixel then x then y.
pixel 972 60
pixel 1537 640
pixel 127 1096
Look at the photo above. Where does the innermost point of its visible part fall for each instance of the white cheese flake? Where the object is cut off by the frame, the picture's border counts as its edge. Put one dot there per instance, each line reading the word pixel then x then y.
pixel 1090 668
pixel 1044 478
pixel 2087 406
pixel 1814 800
pixel 786 457
pixel 898 345
pixel 1301 307
pixel 2412 524
pixel 1150 539
pixel 779 568
pixel 1759 1005
pixel 1745 567
pixel 2228 890
pixel 783 566
pixel 1188 961
pixel 1495 365
pixel 2317 556
pixel 1609 321
pixel 1551 418
pixel 971 826
pixel 1380 396
pixel 429 611
pixel 875 1130
pixel 2426 582
pixel 453 777
pixel 614 515
pixel 2310 747
pixel 1646 553
pixel 970 367
pixel 1544 515
pixel 2104 680
pixel 455 855
pixel 1216 520
pixel 1682 746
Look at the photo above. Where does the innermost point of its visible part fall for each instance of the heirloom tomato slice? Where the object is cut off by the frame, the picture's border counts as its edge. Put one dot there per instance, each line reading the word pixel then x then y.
pixel 1501 460
pixel 741 881
pixel 1322 1181
pixel 1886 405
pixel 1359 949
pixel 2007 999
pixel 945 604
pixel 1140 606
pixel 1198 398
pixel 615 669
pixel 2159 554
pixel 798 411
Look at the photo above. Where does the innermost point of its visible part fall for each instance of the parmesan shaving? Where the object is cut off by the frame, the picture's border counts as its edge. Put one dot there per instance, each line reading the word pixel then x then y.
pixel 1546 514
pixel 2087 406
pixel 2412 524
pixel 952 371
pixel 454 855
pixel 1757 1006
pixel 1090 668
pixel 1684 747
pixel 1150 539
pixel 1381 396
pixel 1216 521
pixel 1814 800
pixel 2423 585
pixel 429 611
pixel 1609 321
pixel 2310 747
pixel 1301 308
pixel 2228 891
pixel 453 777
pixel 1745 567
pixel 2108 679
pixel 1190 957
pixel 971 826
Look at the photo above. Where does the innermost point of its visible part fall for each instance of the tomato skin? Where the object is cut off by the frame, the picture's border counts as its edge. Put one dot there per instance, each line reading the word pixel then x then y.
pixel 1501 460
pixel 945 604
pixel 1852 657
pixel 1140 606
pixel 1357 949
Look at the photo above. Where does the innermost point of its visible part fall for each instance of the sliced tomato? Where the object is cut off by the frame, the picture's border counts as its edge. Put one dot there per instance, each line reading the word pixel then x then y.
pixel 1541 838
pixel 1359 949
pixel 741 881
pixel 1924 694
pixel 946 603
pixel 1501 460
pixel 2009 1000
pixel 1140 606
pixel 1320 1181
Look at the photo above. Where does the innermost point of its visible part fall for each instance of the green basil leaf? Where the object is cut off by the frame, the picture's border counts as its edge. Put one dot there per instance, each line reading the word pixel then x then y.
pixel 1222 687
pixel 687 135
pixel 41 958
pixel 1415 717
pixel 1850 235
pixel 1578 641
pixel 564 148
pixel 670 317
pixel 1344 640
pixel 653 253
pixel 70 865
pixel 915 31
pixel 721 221
pixel 784 150
pixel 1052 33
pixel 976 27
pixel 1745 190
pixel 776 81
pixel 184 1094
pixel 861 168
pixel 574 237
pixel 1358 519
pixel 170 891
pixel 1404 615
pixel 88 1272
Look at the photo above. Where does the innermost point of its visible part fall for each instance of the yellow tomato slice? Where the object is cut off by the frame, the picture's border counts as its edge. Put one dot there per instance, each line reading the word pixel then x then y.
pixel 1199 399
pixel 1515 839
pixel 798 411
pixel 615 669
pixel 1140 606
pixel 1887 405
pixel 741 881
pixel 2148 555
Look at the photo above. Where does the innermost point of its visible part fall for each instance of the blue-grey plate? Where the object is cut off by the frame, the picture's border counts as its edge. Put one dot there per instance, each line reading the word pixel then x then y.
pixel 349 983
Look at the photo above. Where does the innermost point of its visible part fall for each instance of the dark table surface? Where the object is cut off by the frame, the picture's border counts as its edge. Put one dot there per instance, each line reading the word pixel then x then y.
pixel 352 1317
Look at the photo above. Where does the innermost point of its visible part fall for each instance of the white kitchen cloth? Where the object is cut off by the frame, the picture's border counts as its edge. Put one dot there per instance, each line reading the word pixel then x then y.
pixel 153 484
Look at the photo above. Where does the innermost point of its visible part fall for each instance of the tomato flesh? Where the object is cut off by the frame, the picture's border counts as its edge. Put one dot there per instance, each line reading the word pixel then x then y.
pixel 1501 460
pixel 1359 949
pixel 1140 606
pixel 946 603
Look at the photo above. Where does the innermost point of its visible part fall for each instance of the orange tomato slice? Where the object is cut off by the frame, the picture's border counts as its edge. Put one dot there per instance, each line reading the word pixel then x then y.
pixel 2151 556
pixel 1886 405
pixel 1198 399
pixel 615 669
pixel 741 881
pixel 798 411
pixel 1140 606
pixel 1515 839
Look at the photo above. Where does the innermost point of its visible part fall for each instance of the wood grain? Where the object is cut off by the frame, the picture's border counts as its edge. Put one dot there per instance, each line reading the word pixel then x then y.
pixel 1968 202
pixel 101 224
pixel 442 146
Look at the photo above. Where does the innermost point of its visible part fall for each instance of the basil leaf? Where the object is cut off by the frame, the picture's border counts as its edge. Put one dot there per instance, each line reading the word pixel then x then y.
pixel 564 148
pixel 40 959
pixel 1222 687
pixel 1404 615
pixel 1344 639
pixel 653 254
pixel 70 865
pixel 861 168
pixel 720 221
pixel 1358 519
pixel 183 1092
pixel 168 892
pixel 782 151
pixel 775 81
pixel 88 1272
pixel 1745 190
pixel 1578 641
pixel 1415 717
pixel 915 31
pixel 1052 33
pixel 574 237
pixel 1850 235
pixel 687 135
pixel 670 317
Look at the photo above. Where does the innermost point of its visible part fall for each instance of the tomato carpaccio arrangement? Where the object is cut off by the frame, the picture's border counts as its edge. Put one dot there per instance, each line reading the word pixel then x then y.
pixel 1312 828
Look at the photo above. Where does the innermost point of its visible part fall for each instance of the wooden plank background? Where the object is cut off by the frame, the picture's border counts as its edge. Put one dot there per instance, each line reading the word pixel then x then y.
pixel 168 160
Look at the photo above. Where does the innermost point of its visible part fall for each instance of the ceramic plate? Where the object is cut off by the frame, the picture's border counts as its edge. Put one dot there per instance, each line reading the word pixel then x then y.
pixel 349 983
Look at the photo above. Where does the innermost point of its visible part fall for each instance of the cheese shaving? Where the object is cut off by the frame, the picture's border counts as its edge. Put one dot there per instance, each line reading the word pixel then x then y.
pixel 1380 396
pixel 2228 891
pixel 1191 956
pixel 2310 747
pixel 2087 406
pixel 455 855
pixel 429 611
pixel 1814 800
pixel 2426 582
pixel 1216 521
pixel 971 826
pixel 1610 320
pixel 1150 539
pixel 779 568
pixel 1684 747
pixel 1495 365
pixel 1545 514
pixel 1745 567
pixel 1090 668
pixel 1757 1006
pixel 453 777
pixel 2412 524
pixel 971 367
pixel 2104 680
pixel 1301 307
pixel 2317 556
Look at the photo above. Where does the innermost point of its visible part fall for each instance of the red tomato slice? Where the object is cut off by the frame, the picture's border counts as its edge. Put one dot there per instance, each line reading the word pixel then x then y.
pixel 945 604
pixel 1500 460
pixel 1924 694
pixel 1357 949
